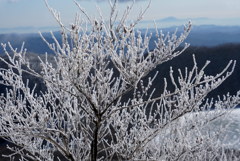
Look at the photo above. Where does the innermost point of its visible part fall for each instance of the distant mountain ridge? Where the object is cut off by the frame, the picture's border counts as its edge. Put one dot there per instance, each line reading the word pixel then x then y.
pixel 174 21
pixel 203 35
pixel 162 23
pixel 27 29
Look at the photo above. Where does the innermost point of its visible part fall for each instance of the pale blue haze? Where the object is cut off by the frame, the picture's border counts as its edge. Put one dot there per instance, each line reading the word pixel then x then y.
pixel 33 13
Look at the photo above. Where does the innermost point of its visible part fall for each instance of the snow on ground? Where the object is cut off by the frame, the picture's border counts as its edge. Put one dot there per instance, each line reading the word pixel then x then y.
pixel 226 128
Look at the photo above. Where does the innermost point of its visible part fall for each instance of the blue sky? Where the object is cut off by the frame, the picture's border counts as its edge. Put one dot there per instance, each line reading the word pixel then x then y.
pixel 22 13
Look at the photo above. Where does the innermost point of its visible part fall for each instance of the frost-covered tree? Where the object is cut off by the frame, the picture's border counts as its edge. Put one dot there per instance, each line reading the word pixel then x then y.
pixel 99 103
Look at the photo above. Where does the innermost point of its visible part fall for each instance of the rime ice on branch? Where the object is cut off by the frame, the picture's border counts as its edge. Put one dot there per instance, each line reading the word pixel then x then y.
pixel 84 114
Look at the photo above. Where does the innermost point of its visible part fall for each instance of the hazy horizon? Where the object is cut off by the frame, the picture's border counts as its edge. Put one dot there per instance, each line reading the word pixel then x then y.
pixel 17 14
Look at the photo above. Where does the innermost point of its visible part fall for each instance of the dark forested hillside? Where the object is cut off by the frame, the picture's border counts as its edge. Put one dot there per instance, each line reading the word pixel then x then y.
pixel 219 57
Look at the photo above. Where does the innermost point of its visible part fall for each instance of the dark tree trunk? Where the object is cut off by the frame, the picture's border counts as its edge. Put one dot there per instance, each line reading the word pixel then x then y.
pixel 94 146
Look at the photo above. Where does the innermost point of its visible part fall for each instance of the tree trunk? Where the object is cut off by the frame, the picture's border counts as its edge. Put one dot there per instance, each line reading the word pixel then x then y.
pixel 94 146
